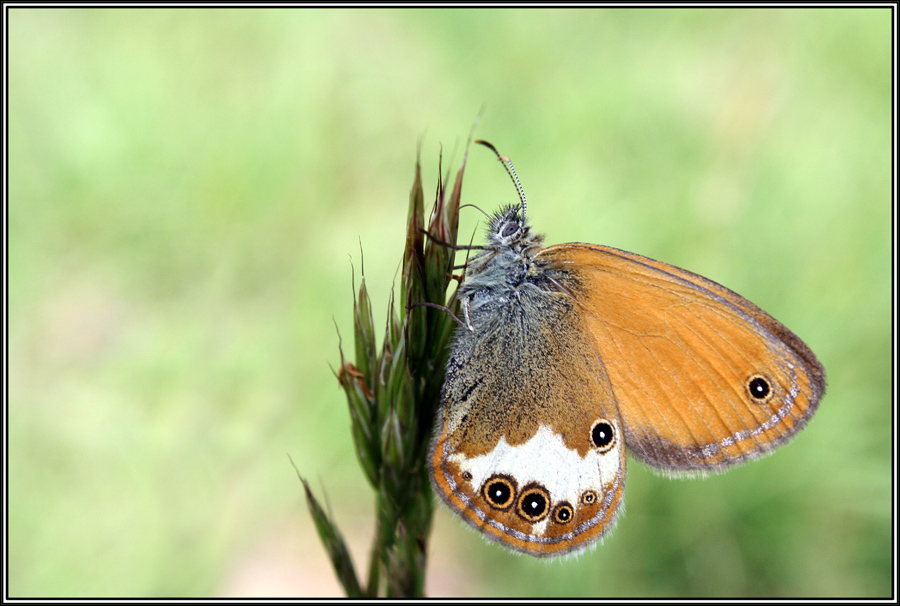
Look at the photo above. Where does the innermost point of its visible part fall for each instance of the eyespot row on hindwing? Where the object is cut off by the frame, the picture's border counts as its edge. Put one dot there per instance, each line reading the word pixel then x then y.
pixel 533 502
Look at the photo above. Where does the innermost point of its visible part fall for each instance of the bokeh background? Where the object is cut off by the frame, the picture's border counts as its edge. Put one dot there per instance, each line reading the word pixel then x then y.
pixel 189 194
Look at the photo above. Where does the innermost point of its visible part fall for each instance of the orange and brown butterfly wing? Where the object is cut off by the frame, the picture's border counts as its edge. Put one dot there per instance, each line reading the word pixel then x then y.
pixel 703 378
pixel 529 447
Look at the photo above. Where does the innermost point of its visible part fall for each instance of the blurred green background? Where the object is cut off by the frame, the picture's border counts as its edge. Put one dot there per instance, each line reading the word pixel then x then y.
pixel 189 191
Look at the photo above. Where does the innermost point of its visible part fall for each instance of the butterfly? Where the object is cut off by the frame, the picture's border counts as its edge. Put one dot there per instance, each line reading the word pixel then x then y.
pixel 570 355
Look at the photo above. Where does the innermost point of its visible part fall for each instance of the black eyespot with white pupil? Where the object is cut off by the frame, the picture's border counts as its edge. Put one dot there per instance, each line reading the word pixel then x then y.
pixel 499 491
pixel 534 503
pixel 563 513
pixel 759 387
pixel 603 435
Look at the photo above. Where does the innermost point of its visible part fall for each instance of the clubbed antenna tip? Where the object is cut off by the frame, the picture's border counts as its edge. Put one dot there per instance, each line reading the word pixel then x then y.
pixel 510 170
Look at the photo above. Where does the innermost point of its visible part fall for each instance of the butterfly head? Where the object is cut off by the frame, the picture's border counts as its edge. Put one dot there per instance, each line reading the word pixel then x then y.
pixel 509 229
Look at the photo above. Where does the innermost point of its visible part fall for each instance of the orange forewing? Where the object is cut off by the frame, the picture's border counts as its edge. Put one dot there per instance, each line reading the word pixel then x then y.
pixel 683 354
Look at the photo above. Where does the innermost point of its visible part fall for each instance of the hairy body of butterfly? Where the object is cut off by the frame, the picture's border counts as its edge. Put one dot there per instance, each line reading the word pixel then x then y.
pixel 571 353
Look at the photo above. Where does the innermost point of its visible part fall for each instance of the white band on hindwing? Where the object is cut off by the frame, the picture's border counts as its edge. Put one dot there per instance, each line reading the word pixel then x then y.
pixel 558 466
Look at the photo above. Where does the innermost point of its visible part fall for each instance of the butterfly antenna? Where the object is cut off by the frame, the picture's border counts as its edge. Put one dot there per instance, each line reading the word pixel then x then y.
pixel 478 209
pixel 510 170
